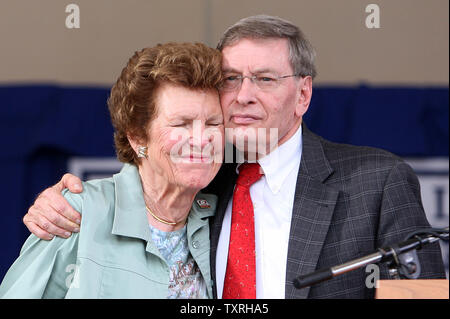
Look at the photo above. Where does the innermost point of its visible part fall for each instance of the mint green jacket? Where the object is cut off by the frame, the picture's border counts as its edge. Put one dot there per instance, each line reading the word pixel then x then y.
pixel 113 255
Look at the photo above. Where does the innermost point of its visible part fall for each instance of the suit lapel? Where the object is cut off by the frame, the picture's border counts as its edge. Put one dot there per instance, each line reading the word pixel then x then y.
pixel 223 186
pixel 311 216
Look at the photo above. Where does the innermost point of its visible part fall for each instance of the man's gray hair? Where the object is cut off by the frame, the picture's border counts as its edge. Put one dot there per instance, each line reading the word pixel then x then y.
pixel 301 52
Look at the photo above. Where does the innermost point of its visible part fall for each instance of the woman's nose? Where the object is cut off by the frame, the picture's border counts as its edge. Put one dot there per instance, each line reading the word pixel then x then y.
pixel 199 135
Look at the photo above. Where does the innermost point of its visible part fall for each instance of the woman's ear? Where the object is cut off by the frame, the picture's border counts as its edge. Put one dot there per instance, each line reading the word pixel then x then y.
pixel 133 142
pixel 304 96
pixel 136 143
pixel 139 147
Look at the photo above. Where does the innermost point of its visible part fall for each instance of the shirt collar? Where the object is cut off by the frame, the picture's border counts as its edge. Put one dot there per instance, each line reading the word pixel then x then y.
pixel 278 164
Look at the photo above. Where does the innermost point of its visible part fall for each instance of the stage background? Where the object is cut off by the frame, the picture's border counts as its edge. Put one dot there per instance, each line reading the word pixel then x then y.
pixel 385 87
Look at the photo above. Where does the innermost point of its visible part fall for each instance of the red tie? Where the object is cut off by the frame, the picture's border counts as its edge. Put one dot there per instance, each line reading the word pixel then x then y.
pixel 240 277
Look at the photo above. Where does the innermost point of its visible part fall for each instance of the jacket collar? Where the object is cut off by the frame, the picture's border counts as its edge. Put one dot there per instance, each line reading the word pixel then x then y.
pixel 314 161
pixel 130 217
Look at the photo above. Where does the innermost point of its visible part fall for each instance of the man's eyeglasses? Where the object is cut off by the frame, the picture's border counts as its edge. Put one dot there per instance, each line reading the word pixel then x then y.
pixel 263 82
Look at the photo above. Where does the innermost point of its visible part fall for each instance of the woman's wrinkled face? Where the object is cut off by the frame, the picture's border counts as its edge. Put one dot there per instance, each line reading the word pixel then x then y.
pixel 186 139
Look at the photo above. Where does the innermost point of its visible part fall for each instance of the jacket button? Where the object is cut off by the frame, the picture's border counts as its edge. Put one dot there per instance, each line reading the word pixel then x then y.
pixel 195 244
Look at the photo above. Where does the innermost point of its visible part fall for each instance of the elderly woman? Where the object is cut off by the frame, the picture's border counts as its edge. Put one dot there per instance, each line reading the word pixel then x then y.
pixel 145 231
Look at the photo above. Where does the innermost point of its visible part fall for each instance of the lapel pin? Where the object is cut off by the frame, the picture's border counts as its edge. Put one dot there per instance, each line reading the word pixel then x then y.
pixel 203 203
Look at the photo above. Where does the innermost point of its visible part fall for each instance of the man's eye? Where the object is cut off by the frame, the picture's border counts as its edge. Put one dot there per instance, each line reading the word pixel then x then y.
pixel 265 79
pixel 231 78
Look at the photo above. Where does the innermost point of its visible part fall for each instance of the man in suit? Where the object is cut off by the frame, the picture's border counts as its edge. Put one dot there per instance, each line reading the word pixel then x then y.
pixel 313 203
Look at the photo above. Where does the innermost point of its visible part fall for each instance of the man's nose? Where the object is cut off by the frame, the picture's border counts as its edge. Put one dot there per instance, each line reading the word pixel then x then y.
pixel 246 92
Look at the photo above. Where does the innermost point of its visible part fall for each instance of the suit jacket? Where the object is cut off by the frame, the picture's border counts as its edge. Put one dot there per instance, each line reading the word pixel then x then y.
pixel 349 201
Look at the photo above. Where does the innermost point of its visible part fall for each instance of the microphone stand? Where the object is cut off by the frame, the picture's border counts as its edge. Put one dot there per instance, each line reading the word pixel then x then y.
pixel 402 257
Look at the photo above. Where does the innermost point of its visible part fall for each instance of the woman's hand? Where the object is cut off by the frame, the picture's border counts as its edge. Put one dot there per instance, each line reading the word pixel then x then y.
pixel 51 214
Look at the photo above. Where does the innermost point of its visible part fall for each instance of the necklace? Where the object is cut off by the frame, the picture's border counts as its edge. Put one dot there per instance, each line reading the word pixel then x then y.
pixel 160 219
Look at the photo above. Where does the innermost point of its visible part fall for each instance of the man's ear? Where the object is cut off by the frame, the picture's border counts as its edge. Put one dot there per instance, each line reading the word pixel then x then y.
pixel 304 96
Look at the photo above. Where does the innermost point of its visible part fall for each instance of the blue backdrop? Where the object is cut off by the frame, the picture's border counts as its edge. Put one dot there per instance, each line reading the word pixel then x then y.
pixel 43 126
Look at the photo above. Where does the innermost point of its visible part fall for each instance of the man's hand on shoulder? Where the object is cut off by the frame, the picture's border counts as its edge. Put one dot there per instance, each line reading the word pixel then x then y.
pixel 51 214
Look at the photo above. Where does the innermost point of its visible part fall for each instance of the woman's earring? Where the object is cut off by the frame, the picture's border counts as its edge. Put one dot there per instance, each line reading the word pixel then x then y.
pixel 142 151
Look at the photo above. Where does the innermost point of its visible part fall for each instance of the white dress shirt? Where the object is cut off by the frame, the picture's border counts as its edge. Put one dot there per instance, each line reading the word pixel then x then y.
pixel 273 200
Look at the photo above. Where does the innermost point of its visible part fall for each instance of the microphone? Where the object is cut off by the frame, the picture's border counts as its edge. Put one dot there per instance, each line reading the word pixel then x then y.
pixel 313 278
pixel 326 274
pixel 413 241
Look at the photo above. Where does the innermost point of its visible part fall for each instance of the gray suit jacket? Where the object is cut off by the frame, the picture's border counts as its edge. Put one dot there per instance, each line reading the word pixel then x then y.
pixel 349 201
